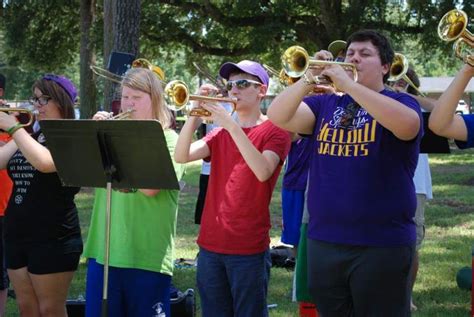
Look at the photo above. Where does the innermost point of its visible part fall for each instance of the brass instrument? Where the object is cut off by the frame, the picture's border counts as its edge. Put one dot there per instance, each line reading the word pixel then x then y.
pixel 296 61
pixel 123 115
pixel 21 110
pixel 398 70
pixel 284 79
pixel 453 27
pixel 176 94
pixel 138 63
pixel 104 73
pixel 205 72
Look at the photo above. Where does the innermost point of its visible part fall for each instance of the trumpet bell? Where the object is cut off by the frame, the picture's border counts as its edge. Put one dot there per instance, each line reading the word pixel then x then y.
pixel 176 95
pixel 295 61
pixel 399 67
pixel 453 26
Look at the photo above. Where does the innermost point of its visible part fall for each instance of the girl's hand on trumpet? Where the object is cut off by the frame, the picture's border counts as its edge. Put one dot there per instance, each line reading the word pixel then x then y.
pixel 103 115
pixel 7 121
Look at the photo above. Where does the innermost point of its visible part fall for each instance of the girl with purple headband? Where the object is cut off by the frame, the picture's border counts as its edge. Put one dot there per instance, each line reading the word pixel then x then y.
pixel 42 234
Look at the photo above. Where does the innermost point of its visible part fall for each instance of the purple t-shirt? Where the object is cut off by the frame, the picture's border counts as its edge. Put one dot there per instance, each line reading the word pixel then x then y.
pixel 469 121
pixel 297 164
pixel 361 189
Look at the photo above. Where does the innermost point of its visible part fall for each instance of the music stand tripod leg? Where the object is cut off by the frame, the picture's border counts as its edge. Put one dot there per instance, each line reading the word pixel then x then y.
pixel 108 213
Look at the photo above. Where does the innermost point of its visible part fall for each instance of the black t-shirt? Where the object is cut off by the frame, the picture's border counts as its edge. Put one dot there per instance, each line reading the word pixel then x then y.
pixel 40 208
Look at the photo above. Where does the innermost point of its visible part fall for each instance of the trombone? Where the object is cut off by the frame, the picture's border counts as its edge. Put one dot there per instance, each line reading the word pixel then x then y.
pixel 453 27
pixel 398 70
pixel 206 73
pixel 284 79
pixel 20 110
pixel 138 63
pixel 176 94
pixel 296 61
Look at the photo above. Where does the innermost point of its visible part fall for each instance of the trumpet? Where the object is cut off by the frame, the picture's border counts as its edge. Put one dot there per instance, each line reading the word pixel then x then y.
pixel 282 76
pixel 296 61
pixel 176 94
pixel 453 27
pixel 21 110
pixel 398 70
pixel 123 115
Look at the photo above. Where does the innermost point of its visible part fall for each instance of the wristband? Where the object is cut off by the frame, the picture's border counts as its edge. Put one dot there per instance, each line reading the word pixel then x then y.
pixel 14 128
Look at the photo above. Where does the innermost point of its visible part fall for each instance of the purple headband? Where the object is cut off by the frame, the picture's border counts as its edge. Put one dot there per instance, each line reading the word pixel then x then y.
pixel 64 83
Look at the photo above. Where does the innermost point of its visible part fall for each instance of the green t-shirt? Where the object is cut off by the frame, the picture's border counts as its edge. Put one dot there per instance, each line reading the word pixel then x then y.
pixel 142 227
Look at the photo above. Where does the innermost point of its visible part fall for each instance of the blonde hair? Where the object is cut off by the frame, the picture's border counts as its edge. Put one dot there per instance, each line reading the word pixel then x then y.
pixel 147 81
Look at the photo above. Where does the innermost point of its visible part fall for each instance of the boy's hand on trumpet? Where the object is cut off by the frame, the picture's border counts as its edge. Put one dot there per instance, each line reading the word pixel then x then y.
pixel 219 115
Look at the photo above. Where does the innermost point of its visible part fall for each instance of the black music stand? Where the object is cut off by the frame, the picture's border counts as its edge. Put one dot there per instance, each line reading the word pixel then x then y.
pixel 110 154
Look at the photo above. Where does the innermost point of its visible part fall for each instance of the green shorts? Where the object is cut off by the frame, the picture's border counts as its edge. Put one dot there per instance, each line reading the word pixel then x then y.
pixel 301 271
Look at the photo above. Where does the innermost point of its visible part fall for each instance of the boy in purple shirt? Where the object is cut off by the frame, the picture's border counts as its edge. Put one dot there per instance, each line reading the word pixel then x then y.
pixel 361 197
pixel 293 189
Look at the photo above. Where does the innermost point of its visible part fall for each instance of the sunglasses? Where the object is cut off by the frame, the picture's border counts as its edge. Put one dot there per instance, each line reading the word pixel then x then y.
pixel 349 114
pixel 41 100
pixel 241 84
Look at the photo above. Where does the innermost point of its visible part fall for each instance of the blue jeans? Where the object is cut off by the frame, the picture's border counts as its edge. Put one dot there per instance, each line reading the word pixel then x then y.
pixel 131 292
pixel 233 285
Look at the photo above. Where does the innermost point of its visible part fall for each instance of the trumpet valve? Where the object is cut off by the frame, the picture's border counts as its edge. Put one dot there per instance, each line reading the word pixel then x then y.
pixel 199 112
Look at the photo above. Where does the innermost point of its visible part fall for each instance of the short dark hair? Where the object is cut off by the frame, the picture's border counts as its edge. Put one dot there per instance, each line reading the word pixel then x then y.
pixel 380 41
pixel 411 74
pixel 3 81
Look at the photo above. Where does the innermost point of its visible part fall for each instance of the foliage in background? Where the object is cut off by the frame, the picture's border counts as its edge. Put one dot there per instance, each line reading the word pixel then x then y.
pixel 42 36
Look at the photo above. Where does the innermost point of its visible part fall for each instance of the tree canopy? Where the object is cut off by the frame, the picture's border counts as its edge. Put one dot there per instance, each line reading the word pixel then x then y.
pixel 45 36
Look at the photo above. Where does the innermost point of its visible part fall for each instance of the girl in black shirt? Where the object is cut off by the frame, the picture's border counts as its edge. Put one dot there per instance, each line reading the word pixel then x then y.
pixel 42 233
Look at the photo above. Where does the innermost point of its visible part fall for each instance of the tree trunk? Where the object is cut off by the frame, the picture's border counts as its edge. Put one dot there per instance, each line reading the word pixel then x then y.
pixel 109 6
pixel 88 90
pixel 126 28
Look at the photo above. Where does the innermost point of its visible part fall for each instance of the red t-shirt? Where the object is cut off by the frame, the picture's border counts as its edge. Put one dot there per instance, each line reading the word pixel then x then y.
pixel 5 181
pixel 236 216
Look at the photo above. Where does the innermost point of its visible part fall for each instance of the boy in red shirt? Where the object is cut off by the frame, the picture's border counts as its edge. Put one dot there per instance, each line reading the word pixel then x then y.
pixel 246 154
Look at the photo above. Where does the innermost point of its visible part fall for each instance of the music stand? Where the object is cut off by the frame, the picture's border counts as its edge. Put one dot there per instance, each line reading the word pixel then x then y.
pixel 110 154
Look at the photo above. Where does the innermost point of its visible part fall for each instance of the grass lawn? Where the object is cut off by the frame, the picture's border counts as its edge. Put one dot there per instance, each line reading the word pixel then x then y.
pixel 447 246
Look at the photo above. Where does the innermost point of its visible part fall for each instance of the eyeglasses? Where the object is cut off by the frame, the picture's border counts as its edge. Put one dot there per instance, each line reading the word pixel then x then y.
pixel 41 100
pixel 349 114
pixel 241 84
